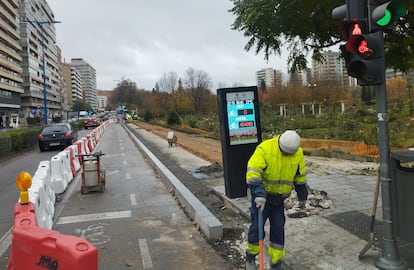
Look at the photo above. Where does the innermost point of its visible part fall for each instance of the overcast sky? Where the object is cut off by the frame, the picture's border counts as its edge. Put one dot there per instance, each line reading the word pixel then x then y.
pixel 141 39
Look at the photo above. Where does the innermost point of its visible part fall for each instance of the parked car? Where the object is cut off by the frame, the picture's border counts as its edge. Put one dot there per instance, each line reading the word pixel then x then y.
pixel 58 135
pixel 91 123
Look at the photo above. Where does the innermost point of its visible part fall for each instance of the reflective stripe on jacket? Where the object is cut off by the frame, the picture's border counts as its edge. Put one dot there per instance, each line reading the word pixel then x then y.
pixel 278 173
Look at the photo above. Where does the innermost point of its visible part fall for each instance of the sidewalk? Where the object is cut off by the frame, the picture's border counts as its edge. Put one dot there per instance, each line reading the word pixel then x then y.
pixel 334 240
pixel 330 241
pixel 326 242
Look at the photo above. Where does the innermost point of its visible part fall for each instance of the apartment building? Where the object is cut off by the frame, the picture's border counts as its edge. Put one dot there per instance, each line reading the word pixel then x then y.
pixel 42 92
pixel 299 77
pixel 268 77
pixel 332 68
pixel 73 83
pixel 64 105
pixel 88 76
pixel 102 102
pixel 10 64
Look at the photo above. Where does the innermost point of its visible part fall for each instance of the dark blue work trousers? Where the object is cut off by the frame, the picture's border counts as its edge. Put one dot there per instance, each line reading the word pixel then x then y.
pixel 274 211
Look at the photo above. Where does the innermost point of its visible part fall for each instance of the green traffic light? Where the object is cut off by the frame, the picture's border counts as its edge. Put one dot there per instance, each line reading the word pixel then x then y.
pixel 393 11
pixel 384 21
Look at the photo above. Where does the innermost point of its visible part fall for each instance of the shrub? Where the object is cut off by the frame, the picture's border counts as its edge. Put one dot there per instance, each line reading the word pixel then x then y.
pixel 33 121
pixel 5 145
pixel 173 118
pixel 18 140
pixel 148 116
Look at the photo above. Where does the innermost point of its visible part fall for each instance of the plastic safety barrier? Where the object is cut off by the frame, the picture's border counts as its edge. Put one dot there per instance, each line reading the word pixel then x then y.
pixel 44 207
pixel 74 161
pixel 35 247
pixel 79 145
pixel 90 142
pixel 43 172
pixel 58 177
pixel 86 149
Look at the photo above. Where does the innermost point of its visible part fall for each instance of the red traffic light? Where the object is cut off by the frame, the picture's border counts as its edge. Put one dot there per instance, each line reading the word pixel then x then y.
pixel 364 45
pixel 364 56
pixel 361 45
pixel 364 49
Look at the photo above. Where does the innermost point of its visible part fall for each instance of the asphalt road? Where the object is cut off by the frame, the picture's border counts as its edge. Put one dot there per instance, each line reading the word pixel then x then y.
pixel 136 223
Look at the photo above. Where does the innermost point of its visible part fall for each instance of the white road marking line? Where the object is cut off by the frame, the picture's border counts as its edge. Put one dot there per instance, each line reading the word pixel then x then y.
pixel 133 199
pixel 127 176
pixel 145 255
pixel 5 241
pixel 111 172
pixel 125 163
pixel 94 217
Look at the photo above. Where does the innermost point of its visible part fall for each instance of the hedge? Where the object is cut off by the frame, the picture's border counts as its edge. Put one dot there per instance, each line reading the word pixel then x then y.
pixel 15 141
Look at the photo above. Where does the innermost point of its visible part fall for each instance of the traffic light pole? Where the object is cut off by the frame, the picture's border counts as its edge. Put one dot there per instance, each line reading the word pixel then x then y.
pixel 365 60
pixel 390 259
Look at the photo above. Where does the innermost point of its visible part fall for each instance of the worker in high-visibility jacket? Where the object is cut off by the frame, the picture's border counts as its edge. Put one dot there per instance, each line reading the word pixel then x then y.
pixel 275 168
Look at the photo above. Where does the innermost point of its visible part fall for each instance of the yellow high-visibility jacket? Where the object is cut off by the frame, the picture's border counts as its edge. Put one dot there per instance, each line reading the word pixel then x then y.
pixel 271 172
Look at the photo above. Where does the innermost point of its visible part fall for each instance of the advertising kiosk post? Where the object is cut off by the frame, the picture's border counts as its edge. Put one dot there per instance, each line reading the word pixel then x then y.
pixel 240 134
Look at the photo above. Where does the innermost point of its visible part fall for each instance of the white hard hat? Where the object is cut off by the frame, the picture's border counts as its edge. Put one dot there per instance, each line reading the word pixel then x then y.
pixel 289 141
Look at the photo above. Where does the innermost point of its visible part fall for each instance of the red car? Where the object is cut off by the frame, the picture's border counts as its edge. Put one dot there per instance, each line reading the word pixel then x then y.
pixel 91 123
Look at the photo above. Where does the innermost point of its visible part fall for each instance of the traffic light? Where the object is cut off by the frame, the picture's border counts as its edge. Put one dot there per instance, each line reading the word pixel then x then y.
pixel 363 53
pixel 384 14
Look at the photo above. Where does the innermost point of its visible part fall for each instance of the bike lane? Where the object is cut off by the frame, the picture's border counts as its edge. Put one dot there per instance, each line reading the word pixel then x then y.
pixel 136 223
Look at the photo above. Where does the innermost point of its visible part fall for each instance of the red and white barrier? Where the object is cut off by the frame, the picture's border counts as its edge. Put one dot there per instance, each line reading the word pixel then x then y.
pixel 79 147
pixel 85 150
pixel 74 161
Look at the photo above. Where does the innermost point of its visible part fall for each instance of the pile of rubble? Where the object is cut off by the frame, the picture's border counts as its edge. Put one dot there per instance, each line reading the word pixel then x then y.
pixel 318 203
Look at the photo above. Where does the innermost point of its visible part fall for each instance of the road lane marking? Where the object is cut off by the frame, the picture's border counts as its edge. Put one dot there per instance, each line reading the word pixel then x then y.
pixel 5 241
pixel 111 172
pixel 94 217
pixel 133 199
pixel 125 163
pixel 127 175
pixel 145 255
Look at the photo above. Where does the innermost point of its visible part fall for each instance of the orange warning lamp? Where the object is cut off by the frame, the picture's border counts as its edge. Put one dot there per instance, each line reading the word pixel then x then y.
pixel 23 183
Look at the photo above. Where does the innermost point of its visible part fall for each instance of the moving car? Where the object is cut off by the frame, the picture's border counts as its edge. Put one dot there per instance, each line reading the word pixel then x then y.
pixel 58 135
pixel 91 122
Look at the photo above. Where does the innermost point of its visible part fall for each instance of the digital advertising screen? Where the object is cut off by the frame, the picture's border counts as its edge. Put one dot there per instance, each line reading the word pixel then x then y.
pixel 241 117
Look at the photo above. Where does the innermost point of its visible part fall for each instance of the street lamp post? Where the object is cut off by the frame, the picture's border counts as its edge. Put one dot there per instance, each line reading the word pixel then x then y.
pixel 41 23
pixel 312 86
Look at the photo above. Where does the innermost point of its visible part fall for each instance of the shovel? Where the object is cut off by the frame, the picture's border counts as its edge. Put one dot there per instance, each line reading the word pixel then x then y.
pixel 371 241
pixel 261 236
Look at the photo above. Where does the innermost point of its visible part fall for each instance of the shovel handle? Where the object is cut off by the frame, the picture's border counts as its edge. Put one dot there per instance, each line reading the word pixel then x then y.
pixel 261 253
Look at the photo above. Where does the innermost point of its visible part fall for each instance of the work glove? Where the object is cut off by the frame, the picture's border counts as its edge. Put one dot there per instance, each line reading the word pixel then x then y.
pixel 260 203
pixel 302 204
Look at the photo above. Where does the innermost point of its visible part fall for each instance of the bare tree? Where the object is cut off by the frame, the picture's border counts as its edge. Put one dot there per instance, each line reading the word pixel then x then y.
pixel 168 82
pixel 198 83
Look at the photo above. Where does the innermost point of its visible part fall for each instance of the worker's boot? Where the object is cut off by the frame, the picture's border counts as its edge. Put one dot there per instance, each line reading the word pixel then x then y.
pixel 276 266
pixel 251 265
